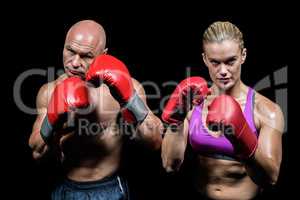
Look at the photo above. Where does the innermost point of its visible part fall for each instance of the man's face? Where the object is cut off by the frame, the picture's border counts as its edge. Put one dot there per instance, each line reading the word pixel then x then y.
pixel 79 52
pixel 224 62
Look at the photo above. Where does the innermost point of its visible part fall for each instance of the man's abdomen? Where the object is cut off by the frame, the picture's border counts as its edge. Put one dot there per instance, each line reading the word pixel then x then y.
pixel 88 158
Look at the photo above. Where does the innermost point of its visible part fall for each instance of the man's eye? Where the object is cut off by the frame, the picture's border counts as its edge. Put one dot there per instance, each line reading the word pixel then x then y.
pixel 71 51
pixel 88 57
pixel 214 62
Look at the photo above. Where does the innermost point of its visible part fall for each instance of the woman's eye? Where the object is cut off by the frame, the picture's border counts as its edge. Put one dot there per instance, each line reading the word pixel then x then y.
pixel 231 62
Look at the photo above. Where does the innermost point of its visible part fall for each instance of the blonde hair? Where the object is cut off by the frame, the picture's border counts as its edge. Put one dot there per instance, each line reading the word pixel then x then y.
pixel 220 31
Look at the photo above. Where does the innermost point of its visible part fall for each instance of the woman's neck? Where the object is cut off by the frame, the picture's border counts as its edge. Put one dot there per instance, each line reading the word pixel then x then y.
pixel 236 91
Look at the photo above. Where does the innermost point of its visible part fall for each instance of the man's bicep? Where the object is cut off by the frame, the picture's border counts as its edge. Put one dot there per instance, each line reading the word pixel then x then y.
pixel 41 107
pixel 43 97
pixel 139 90
pixel 39 120
pixel 42 100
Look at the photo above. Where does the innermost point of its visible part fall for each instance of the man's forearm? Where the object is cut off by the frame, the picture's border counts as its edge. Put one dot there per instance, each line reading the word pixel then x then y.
pixel 150 131
pixel 38 146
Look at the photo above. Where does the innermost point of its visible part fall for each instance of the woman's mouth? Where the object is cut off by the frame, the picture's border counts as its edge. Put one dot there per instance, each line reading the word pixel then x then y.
pixel 224 80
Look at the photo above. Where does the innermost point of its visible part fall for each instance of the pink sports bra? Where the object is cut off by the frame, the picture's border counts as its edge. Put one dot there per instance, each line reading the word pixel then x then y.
pixel 204 143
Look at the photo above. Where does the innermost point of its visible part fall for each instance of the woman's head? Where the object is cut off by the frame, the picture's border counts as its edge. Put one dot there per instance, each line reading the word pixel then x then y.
pixel 223 53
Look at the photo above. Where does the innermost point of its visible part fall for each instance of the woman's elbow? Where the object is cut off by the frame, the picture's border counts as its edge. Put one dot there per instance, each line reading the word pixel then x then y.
pixel 274 172
pixel 269 165
pixel 272 169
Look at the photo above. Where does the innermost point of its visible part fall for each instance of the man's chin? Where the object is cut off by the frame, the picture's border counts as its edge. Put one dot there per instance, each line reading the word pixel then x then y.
pixel 79 76
pixel 69 74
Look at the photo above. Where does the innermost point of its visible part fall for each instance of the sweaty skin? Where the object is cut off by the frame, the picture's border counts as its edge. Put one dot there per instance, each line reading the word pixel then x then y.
pixel 94 151
pixel 226 179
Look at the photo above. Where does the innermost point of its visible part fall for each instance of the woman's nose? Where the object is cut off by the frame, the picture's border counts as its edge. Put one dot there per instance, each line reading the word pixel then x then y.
pixel 223 70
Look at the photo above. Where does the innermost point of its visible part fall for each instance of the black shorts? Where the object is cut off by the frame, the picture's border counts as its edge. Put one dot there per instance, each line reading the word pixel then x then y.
pixel 110 188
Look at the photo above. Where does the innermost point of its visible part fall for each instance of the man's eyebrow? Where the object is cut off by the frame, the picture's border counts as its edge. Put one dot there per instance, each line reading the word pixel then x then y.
pixel 68 46
pixel 89 54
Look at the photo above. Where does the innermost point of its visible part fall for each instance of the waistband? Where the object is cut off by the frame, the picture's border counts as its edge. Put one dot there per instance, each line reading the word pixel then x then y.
pixel 85 185
pixel 220 156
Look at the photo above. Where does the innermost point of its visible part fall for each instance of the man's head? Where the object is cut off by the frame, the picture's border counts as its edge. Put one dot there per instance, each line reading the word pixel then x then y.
pixel 84 41
pixel 223 53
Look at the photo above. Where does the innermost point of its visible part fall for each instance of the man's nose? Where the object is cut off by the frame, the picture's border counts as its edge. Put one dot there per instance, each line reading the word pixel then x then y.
pixel 76 62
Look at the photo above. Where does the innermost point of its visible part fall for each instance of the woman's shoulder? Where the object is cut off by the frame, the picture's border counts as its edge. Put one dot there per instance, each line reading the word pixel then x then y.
pixel 267 111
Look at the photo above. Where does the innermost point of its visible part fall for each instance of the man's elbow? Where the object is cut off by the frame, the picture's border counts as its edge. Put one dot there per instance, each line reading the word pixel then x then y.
pixel 39 148
pixel 39 153
pixel 152 140
pixel 36 155
pixel 156 144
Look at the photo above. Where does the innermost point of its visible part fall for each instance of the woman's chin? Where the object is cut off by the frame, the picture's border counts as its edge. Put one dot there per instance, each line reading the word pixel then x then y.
pixel 225 86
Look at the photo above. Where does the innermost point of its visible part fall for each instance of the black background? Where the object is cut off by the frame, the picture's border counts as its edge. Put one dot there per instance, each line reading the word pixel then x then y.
pixel 157 43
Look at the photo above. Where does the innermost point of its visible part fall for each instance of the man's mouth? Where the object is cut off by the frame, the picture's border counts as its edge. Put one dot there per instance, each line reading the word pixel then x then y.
pixel 76 73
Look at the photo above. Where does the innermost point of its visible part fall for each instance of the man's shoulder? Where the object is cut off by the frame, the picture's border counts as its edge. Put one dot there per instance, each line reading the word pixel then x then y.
pixel 137 86
pixel 50 85
pixel 46 89
pixel 135 82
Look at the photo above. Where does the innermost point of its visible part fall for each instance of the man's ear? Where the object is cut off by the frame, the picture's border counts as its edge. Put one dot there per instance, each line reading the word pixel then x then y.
pixel 244 55
pixel 105 51
pixel 204 59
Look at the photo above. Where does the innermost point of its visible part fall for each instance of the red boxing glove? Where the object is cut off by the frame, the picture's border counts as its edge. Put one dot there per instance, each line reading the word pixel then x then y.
pixel 226 114
pixel 69 95
pixel 115 75
pixel 180 101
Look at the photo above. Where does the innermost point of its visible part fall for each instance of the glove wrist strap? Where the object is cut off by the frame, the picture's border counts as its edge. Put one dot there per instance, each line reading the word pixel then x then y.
pixel 137 107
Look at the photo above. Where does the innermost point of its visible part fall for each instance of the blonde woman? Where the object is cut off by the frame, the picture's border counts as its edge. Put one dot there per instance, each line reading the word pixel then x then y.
pixel 235 132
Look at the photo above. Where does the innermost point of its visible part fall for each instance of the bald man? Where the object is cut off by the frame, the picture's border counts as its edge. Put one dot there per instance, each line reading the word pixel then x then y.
pixel 91 160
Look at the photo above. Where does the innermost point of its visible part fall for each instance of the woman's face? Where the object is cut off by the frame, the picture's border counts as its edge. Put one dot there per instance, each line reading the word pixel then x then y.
pixel 224 62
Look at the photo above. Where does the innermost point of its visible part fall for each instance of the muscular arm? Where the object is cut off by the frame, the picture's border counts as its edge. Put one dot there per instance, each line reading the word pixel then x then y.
pixel 268 156
pixel 174 146
pixel 36 142
pixel 150 130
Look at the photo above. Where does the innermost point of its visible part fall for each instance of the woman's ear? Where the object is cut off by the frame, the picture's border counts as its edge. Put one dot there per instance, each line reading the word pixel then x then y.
pixel 244 55
pixel 204 59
